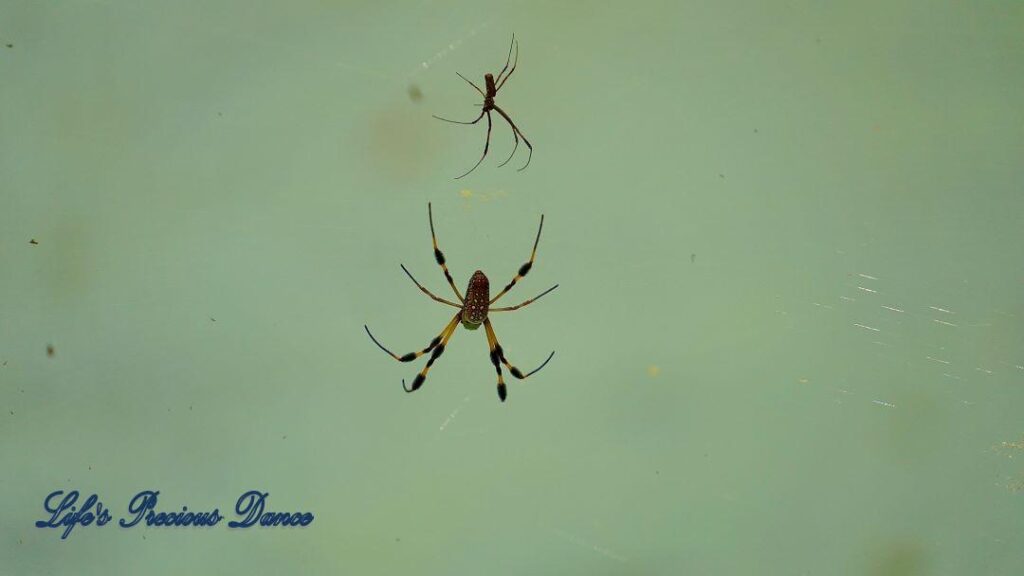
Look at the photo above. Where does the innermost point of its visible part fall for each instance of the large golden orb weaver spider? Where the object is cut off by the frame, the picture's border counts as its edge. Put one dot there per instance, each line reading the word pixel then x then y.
pixel 492 86
pixel 473 311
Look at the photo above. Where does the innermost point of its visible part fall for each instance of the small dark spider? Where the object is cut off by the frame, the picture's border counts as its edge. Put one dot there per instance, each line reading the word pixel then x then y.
pixel 473 312
pixel 493 86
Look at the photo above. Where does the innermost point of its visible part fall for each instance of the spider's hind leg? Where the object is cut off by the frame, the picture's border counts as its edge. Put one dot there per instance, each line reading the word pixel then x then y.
pixel 525 268
pixel 499 80
pixel 438 256
pixel 471 84
pixel 459 122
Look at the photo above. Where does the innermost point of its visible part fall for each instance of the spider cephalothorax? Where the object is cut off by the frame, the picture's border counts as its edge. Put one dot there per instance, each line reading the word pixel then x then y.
pixel 473 312
pixel 492 86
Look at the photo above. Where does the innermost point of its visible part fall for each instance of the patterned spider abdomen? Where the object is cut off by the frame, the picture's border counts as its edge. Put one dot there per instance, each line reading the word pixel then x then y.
pixel 478 296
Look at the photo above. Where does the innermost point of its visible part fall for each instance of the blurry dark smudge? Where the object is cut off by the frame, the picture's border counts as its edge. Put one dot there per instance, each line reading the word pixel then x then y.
pixel 33 242
pixel 899 559
pixel 50 351
pixel 415 94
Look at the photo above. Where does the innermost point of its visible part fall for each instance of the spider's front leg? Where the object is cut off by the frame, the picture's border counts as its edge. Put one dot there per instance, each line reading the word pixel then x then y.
pixel 516 130
pixel 422 376
pixel 514 148
pixel 487 143
pixel 498 355
pixel 414 355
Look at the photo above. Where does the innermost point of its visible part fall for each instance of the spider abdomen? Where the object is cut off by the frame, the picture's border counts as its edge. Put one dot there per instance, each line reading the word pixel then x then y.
pixel 478 297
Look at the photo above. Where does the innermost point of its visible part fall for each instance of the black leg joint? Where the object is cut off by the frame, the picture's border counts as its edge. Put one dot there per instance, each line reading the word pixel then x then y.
pixel 437 352
pixel 416 383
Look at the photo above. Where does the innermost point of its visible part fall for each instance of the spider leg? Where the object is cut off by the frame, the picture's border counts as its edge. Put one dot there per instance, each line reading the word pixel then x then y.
pixel 487 144
pixel 471 84
pixel 414 355
pixel 499 81
pixel 438 350
pixel 520 132
pixel 457 122
pixel 525 268
pixel 439 256
pixel 428 292
pixel 495 348
pixel 514 148
pixel 518 306
pixel 498 355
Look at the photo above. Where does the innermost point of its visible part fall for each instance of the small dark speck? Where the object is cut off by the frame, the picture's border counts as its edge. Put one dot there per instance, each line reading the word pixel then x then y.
pixel 90 467
pixel 220 114
pixel 10 45
pixel 415 94
pixel 33 242
pixel 212 319
pixel 50 351
pixel 284 437
pixel 755 130
pixel 721 175
pixel 5 362
pixel 693 258
pixel 398 539
pixel 657 472
pixel 190 407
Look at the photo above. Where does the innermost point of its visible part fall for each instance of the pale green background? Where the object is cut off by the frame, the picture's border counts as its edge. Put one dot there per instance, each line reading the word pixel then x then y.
pixel 755 411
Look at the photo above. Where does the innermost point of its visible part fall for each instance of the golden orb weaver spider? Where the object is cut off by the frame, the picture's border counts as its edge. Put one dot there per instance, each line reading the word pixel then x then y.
pixel 473 311
pixel 493 85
